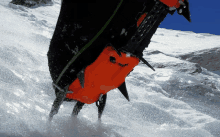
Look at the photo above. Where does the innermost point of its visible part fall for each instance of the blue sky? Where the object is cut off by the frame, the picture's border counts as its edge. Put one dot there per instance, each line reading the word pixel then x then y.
pixel 205 16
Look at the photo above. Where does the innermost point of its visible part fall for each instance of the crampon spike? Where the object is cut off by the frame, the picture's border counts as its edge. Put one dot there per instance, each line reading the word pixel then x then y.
pixel 124 91
pixel 145 62
pixel 184 10
pixel 101 104
pixel 58 101
pixel 77 108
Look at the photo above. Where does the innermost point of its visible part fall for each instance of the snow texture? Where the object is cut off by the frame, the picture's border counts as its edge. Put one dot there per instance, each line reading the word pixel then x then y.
pixel 180 99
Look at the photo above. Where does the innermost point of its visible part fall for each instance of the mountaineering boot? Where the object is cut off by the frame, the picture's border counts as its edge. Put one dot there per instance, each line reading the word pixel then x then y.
pixel 114 48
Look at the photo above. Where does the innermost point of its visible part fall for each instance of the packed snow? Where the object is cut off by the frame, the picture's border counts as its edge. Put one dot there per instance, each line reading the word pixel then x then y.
pixel 180 99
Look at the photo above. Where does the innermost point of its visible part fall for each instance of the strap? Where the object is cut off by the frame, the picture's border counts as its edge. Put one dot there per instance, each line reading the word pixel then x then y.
pixel 60 89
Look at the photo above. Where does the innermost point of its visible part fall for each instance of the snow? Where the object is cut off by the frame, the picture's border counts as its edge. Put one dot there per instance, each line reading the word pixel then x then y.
pixel 180 99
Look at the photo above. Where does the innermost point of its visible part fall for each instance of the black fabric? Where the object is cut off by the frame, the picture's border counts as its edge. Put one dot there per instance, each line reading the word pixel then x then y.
pixel 79 22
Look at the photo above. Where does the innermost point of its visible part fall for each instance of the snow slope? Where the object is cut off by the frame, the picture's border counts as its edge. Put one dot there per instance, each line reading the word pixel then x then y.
pixel 180 99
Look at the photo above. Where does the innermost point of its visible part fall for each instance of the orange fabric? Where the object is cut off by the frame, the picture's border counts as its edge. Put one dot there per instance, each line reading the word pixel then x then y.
pixel 141 19
pixel 172 3
pixel 102 76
